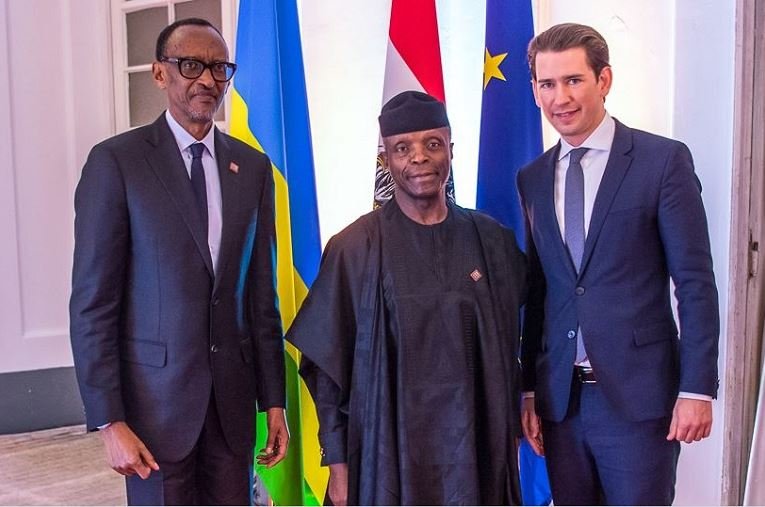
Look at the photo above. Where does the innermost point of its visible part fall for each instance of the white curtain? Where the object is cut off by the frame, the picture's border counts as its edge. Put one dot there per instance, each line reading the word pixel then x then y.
pixel 754 492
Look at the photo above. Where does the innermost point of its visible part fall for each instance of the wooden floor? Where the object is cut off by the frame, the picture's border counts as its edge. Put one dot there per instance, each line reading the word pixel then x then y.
pixel 63 466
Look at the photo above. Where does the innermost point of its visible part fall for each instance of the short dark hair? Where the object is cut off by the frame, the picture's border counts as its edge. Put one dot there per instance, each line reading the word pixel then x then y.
pixel 165 34
pixel 568 36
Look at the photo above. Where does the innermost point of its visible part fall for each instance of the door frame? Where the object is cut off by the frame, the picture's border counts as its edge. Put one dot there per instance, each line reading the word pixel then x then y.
pixel 746 308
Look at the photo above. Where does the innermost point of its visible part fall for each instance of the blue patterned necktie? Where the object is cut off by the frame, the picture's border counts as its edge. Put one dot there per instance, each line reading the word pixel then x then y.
pixel 198 180
pixel 574 223
pixel 574 207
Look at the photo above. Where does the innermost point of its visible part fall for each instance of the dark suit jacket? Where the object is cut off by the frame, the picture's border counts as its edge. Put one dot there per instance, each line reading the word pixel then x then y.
pixel 648 224
pixel 153 329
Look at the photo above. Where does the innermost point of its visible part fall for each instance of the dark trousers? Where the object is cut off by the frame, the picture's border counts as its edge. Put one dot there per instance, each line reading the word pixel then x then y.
pixel 210 475
pixel 595 457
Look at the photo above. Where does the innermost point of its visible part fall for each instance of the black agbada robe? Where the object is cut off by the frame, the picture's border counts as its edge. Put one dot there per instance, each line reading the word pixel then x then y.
pixel 409 339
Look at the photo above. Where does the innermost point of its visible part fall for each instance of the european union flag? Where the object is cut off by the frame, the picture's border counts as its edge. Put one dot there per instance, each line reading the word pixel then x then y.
pixel 511 129
pixel 511 137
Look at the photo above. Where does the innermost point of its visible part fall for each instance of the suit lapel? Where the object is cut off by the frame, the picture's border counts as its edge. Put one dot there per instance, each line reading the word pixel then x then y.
pixel 616 168
pixel 229 189
pixel 548 214
pixel 165 159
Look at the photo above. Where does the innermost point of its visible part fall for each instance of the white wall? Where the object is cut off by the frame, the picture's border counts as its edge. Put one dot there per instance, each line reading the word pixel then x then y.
pixel 703 118
pixel 344 45
pixel 55 98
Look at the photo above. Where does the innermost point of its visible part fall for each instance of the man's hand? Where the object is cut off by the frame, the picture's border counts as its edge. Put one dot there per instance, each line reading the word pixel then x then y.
pixel 691 420
pixel 337 487
pixel 278 438
pixel 125 452
pixel 531 426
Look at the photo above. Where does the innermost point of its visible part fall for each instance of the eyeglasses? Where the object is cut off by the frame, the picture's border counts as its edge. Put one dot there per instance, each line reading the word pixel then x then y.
pixel 191 68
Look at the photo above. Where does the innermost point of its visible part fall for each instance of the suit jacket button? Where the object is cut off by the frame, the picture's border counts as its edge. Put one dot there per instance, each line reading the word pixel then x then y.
pixel 214 348
pixel 216 301
pixel 571 334
pixel 579 291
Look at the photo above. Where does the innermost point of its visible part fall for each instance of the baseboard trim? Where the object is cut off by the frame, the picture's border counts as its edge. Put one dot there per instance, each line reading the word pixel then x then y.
pixel 39 399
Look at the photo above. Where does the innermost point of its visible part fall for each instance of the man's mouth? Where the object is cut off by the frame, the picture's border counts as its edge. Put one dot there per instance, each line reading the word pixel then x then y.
pixel 565 115
pixel 205 96
pixel 422 176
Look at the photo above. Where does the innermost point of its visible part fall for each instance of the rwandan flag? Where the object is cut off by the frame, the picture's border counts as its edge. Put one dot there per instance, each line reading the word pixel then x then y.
pixel 511 137
pixel 269 111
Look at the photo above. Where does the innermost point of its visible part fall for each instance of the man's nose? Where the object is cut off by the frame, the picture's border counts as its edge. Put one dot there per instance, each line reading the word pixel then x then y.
pixel 561 95
pixel 206 78
pixel 418 155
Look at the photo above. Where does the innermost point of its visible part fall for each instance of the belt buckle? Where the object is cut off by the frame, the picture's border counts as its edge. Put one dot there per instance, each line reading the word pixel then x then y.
pixel 585 375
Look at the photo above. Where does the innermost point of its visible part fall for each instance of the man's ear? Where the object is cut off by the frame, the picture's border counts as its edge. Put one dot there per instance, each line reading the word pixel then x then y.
pixel 451 150
pixel 159 75
pixel 605 80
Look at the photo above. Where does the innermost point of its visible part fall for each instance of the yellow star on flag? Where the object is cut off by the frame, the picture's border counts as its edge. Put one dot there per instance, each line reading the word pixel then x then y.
pixel 491 67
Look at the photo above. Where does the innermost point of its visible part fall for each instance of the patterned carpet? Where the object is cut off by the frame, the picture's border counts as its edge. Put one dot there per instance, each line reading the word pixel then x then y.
pixel 62 466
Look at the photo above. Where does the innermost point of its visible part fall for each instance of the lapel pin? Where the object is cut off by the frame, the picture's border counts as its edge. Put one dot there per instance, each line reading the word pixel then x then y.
pixel 233 167
pixel 476 275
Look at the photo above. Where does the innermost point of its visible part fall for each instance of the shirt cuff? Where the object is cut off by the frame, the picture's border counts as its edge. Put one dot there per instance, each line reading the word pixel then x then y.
pixel 527 394
pixel 103 426
pixel 694 396
pixel 333 447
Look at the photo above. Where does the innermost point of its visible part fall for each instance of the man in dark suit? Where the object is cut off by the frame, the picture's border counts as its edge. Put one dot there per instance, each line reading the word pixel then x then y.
pixel 612 214
pixel 174 325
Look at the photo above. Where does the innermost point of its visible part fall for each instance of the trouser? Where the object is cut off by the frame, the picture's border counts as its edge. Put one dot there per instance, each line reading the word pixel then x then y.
pixel 596 457
pixel 210 475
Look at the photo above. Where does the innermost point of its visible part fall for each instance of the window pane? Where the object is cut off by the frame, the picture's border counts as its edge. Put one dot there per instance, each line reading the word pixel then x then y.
pixel 205 9
pixel 143 27
pixel 146 100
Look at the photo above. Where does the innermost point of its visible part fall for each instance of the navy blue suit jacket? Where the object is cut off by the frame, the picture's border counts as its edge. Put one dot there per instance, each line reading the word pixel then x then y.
pixel 648 224
pixel 153 329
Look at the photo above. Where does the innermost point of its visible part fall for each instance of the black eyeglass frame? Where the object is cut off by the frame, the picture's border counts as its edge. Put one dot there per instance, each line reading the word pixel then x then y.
pixel 181 60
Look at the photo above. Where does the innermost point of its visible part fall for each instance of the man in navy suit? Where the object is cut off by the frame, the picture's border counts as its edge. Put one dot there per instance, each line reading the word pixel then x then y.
pixel 612 214
pixel 174 326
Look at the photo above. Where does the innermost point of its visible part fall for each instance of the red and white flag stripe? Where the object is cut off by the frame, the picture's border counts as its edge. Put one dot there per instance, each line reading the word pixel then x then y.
pixel 414 54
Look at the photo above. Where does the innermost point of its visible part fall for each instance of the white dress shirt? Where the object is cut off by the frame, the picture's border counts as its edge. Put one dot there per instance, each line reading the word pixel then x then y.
pixel 212 181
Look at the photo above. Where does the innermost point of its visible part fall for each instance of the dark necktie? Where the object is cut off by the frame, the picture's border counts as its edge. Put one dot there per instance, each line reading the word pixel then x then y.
pixel 198 180
pixel 574 224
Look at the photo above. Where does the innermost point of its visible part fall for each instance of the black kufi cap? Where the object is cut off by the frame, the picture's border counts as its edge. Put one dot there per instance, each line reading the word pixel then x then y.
pixel 412 111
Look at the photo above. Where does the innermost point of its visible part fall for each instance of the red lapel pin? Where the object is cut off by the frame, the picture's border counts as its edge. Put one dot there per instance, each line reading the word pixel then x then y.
pixel 233 167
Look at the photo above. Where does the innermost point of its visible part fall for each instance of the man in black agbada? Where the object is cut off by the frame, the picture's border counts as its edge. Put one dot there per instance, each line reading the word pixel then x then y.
pixel 410 336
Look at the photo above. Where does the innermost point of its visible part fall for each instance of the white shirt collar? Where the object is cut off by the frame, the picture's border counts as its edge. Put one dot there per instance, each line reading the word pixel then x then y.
pixel 601 138
pixel 184 139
